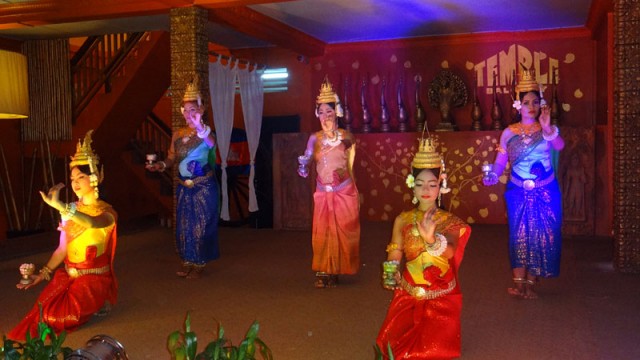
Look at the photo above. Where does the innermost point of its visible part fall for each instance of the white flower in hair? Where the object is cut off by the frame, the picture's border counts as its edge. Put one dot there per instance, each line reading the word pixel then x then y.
pixel 411 181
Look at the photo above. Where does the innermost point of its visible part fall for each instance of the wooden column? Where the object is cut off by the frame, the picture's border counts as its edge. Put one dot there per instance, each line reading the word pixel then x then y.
pixel 626 132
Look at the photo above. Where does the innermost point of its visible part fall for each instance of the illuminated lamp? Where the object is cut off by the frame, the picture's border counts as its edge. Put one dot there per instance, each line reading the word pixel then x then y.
pixel 14 89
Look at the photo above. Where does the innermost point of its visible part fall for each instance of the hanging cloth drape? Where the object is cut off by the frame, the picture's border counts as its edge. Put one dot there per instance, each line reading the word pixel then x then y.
pixel 252 98
pixel 222 83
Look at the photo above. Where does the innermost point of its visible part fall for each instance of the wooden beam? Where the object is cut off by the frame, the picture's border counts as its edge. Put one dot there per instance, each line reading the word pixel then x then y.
pixel 56 11
pixel 210 4
pixel 52 12
pixel 257 25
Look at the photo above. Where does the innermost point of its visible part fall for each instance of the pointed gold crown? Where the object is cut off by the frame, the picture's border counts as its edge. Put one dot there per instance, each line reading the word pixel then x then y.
pixel 527 81
pixel 427 157
pixel 192 93
pixel 327 95
pixel 85 156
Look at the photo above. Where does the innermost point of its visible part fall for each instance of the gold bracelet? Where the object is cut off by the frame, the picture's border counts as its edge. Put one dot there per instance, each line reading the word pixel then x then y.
pixel 45 272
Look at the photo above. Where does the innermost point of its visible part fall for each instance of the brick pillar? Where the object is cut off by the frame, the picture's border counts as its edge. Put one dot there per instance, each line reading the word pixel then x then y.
pixel 189 57
pixel 626 132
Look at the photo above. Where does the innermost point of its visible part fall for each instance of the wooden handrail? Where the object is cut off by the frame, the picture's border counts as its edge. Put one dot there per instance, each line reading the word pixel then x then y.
pixel 153 137
pixel 99 60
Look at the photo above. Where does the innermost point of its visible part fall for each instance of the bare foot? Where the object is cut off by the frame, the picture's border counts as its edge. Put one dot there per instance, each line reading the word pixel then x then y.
pixel 185 270
pixel 195 272
pixel 529 293
pixel 516 292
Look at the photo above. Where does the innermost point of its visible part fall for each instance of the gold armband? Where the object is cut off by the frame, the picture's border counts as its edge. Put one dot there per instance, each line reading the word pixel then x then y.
pixel 393 246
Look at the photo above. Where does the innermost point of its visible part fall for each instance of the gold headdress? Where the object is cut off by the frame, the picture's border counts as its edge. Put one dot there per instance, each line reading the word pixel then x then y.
pixel 192 93
pixel 85 156
pixel 327 95
pixel 527 82
pixel 427 157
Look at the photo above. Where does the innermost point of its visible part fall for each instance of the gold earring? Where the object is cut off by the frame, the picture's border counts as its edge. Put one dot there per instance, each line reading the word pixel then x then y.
pixel 414 200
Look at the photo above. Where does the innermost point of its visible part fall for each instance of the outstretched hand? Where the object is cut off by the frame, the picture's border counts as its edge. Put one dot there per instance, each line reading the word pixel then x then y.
pixel 52 198
pixel 545 117
pixel 37 278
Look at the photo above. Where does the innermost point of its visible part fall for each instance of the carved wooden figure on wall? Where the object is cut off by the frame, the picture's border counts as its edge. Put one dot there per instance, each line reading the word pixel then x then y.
pixel 347 119
pixel 447 91
pixel 476 110
pixel 515 114
pixel 402 112
pixel 384 111
pixel 555 104
pixel 366 116
pixel 496 110
pixel 420 114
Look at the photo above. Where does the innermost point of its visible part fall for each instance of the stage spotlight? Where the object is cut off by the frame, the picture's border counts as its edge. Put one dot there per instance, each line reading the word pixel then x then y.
pixel 100 347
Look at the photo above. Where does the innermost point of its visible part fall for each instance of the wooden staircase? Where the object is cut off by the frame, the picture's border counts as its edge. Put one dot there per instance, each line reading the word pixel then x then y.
pixel 122 92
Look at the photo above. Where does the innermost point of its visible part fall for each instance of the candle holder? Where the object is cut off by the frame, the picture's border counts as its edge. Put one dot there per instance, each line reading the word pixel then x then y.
pixel 26 270
pixel 389 268
pixel 151 159
pixel 303 165
pixel 487 169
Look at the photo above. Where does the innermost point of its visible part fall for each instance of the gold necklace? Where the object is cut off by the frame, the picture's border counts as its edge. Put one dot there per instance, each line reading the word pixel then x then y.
pixel 526 131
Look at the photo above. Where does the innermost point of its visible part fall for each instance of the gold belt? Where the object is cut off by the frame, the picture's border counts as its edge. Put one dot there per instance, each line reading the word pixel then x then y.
pixel 74 273
pixel 531 184
pixel 193 182
pixel 421 293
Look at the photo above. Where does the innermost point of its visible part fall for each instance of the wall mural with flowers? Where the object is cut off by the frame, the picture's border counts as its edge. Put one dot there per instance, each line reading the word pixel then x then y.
pixel 383 163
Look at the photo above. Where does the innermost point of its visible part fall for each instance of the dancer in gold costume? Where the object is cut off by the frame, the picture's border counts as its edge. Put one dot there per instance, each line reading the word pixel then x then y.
pixel 82 282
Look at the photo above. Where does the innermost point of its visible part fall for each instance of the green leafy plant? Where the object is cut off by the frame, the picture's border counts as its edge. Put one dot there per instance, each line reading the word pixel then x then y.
pixel 46 346
pixel 379 353
pixel 183 345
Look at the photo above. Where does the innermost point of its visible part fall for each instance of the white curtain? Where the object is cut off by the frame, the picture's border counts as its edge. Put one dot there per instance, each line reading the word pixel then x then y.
pixel 222 83
pixel 252 98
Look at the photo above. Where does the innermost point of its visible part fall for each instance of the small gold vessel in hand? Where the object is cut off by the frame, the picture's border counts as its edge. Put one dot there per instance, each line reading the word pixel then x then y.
pixel 26 270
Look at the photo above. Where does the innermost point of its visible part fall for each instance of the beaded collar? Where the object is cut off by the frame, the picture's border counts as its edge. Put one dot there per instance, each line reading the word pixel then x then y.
pixel 332 142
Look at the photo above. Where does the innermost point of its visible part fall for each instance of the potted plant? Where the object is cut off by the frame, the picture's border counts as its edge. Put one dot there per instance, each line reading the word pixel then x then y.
pixel 184 345
pixel 46 346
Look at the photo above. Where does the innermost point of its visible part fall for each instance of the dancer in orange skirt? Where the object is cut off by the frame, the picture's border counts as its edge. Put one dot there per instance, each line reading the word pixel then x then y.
pixel 336 219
